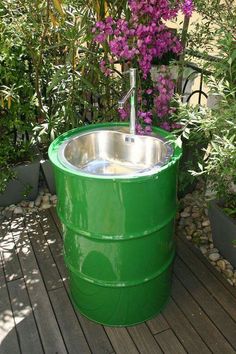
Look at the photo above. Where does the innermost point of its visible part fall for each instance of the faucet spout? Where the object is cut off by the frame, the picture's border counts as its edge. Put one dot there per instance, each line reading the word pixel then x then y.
pixel 132 94
pixel 121 103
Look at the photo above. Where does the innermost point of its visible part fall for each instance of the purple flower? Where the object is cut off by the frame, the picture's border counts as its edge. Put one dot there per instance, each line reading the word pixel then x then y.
pixel 187 8
pixel 104 68
pixel 124 114
pixel 149 91
pixel 143 38
pixel 166 126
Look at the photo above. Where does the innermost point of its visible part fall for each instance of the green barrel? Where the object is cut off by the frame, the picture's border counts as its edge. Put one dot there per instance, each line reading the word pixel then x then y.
pixel 118 238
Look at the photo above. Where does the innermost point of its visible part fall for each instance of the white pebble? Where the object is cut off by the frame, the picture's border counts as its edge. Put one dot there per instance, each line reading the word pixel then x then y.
pixel 228 273
pixel 18 210
pixel 213 250
pixel 214 257
pixel 53 198
pixel 230 281
pixel 45 206
pixel 38 201
pixel 221 264
pixel 45 199
pixel 229 266
pixel 184 215
pixel 206 223
pixel 203 249
pixel 31 204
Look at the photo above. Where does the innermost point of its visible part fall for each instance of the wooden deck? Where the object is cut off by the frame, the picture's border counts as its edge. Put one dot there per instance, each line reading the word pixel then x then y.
pixel 36 314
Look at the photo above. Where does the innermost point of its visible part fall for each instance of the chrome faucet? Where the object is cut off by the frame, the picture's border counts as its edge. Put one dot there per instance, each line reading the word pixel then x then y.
pixel 132 94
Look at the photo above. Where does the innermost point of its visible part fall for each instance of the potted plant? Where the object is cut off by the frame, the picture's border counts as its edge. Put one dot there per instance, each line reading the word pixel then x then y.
pixel 19 172
pixel 220 167
pixel 19 163
pixel 217 127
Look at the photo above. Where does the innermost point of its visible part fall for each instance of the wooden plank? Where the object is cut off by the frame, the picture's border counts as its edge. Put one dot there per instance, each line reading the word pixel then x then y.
pixel 169 343
pixel 95 334
pixel 121 340
pixel 185 332
pixel 197 317
pixel 158 324
pixel 55 218
pixel 69 325
pixel 144 340
pixel 10 257
pixel 54 240
pixel 44 315
pixel 43 254
pixel 23 314
pixel 211 307
pixel 8 336
pixel 210 267
pixel 208 279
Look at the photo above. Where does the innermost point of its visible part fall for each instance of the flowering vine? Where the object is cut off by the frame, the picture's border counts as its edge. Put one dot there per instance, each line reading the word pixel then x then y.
pixel 142 39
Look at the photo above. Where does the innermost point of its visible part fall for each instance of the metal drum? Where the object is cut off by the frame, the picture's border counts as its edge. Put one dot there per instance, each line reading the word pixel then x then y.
pixel 117 203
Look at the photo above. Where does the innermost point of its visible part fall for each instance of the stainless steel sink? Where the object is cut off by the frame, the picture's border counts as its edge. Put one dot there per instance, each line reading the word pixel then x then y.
pixel 114 153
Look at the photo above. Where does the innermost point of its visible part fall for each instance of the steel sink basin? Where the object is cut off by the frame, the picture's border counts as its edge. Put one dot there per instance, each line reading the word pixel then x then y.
pixel 114 153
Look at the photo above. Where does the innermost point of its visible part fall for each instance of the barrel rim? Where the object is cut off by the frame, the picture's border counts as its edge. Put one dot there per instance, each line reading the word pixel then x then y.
pixel 55 145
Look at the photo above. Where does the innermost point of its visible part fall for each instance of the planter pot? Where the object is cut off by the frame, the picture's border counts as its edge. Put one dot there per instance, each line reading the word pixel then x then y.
pixel 24 186
pixel 48 175
pixel 223 231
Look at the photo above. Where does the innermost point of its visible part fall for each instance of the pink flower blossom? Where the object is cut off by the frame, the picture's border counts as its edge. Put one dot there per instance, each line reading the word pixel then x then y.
pixel 141 39
pixel 188 7
pixel 124 114
pixel 104 68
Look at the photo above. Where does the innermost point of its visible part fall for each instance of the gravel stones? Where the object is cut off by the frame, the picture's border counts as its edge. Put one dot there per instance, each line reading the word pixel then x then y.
pixel 44 201
pixel 193 223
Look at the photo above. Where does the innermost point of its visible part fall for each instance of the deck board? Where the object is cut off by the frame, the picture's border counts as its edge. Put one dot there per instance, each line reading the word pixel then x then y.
pixel 96 336
pixel 169 343
pixel 8 335
pixel 208 265
pixel 121 340
pixel 94 333
pixel 207 302
pixel 10 258
pixel 144 340
pixel 42 253
pixel 217 289
pixel 48 328
pixel 26 327
pixel 199 320
pixel 70 327
pixel 183 329
pixel 37 314
pixel 158 324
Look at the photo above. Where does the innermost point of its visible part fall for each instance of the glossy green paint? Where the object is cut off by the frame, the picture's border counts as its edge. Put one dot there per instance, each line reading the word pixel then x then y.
pixel 118 238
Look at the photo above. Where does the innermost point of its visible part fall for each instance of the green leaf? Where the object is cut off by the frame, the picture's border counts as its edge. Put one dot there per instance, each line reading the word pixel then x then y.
pixel 56 79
